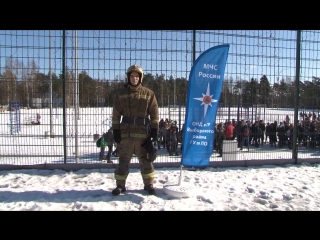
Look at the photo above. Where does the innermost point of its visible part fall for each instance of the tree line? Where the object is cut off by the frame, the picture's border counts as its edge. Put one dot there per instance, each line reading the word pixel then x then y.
pixel 23 83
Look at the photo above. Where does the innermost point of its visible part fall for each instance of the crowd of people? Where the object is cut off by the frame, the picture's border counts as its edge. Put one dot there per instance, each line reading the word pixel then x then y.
pixel 276 134
pixel 169 136
pixel 246 134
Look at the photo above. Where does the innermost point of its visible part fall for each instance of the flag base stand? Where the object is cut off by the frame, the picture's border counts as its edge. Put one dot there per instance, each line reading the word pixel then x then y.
pixel 178 190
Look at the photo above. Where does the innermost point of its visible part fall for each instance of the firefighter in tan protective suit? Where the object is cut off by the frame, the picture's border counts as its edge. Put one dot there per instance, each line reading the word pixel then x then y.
pixel 138 107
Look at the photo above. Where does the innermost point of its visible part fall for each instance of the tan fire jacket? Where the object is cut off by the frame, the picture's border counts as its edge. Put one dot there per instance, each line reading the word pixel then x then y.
pixel 135 101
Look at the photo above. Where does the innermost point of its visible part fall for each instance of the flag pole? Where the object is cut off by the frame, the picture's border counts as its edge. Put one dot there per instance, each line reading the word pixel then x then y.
pixel 179 183
pixel 198 131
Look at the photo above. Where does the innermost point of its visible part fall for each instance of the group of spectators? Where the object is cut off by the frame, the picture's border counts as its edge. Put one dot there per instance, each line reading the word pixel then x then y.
pixel 169 135
pixel 276 134
pixel 245 133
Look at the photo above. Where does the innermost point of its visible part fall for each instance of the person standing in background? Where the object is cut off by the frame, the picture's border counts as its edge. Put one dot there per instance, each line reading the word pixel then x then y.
pixel 38 118
pixel 268 129
pixel 245 135
pixel 287 119
pixel 229 131
pixel 108 138
pixel 262 126
pixel 220 137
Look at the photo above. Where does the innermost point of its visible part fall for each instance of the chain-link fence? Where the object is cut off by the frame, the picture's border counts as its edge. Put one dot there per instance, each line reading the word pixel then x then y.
pixel 57 88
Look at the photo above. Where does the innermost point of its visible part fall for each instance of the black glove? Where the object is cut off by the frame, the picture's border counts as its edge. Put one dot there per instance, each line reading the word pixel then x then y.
pixel 150 149
pixel 117 135
pixel 154 134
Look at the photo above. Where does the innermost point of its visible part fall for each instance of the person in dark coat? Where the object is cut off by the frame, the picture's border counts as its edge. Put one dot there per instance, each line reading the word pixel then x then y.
pixel 108 138
pixel 238 131
pixel 256 134
pixel 220 137
pixel 273 134
pixel 262 126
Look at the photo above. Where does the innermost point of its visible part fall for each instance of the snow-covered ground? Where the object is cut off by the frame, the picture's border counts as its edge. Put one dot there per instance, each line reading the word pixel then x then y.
pixel 264 188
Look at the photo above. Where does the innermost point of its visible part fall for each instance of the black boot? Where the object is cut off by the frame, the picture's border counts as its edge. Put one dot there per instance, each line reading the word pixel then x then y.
pixel 150 189
pixel 108 159
pixel 118 190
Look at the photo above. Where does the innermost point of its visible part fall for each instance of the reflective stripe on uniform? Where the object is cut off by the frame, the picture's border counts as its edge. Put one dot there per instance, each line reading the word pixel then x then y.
pixel 124 96
pixel 139 96
pixel 120 177
pixel 144 97
pixel 134 135
pixel 155 121
pixel 147 176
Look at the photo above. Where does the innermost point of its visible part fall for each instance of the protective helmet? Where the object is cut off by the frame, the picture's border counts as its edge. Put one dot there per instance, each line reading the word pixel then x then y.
pixel 135 68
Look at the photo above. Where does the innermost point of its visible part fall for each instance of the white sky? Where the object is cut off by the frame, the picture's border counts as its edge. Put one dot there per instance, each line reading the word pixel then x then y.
pixel 266 188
